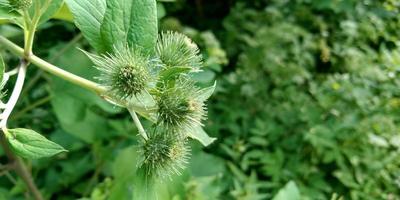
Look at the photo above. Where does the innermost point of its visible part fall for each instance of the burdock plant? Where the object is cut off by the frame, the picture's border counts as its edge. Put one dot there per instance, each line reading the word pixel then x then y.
pixel 178 106
pixel 146 73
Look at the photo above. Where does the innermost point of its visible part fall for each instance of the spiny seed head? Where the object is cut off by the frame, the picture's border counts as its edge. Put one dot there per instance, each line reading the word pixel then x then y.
pixel 164 154
pixel 175 49
pixel 20 4
pixel 178 106
pixel 129 80
pixel 125 73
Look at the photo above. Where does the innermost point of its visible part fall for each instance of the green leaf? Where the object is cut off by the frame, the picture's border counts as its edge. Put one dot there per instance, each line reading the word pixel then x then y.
pixel 53 8
pixel 199 134
pixel 64 14
pixel 8 16
pixel 132 22
pixel 206 93
pixel 30 144
pixel 289 192
pixel 88 16
pixel 172 72
pixel 48 9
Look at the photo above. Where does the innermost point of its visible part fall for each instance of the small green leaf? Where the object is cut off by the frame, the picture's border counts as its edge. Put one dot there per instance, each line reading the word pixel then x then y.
pixel 64 14
pixel 88 16
pixel 132 22
pixel 171 72
pixel 199 134
pixel 30 144
pixel 53 8
pixel 7 15
pixel 206 93
pixel 290 191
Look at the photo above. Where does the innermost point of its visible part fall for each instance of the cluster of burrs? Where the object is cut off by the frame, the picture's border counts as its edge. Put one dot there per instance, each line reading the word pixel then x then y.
pixel 129 73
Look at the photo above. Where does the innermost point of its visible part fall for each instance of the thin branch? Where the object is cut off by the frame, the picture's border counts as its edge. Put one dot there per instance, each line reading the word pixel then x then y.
pixel 52 68
pixel 139 126
pixel 39 73
pixel 15 94
pixel 12 72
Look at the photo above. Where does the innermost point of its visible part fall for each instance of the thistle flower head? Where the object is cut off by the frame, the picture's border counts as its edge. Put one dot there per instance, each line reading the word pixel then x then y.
pixel 125 73
pixel 175 49
pixel 164 154
pixel 179 105
pixel 20 4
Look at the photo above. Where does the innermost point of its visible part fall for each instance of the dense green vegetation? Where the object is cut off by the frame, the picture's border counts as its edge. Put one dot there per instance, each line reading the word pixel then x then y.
pixel 307 105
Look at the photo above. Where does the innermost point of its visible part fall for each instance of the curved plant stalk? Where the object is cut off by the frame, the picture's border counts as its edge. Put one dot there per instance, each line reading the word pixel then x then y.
pixel 17 163
pixel 90 85
pixel 9 106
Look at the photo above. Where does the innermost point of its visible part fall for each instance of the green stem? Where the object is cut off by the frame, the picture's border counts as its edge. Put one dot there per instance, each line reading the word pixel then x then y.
pixel 15 49
pixel 15 94
pixel 100 90
pixel 139 126
pixel 30 29
pixel 39 73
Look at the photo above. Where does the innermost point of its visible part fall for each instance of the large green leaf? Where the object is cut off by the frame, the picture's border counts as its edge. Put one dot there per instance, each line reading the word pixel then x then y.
pixel 132 22
pixel 30 144
pixel 88 16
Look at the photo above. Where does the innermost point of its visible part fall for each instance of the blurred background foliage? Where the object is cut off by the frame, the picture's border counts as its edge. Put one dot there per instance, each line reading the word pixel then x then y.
pixel 307 105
